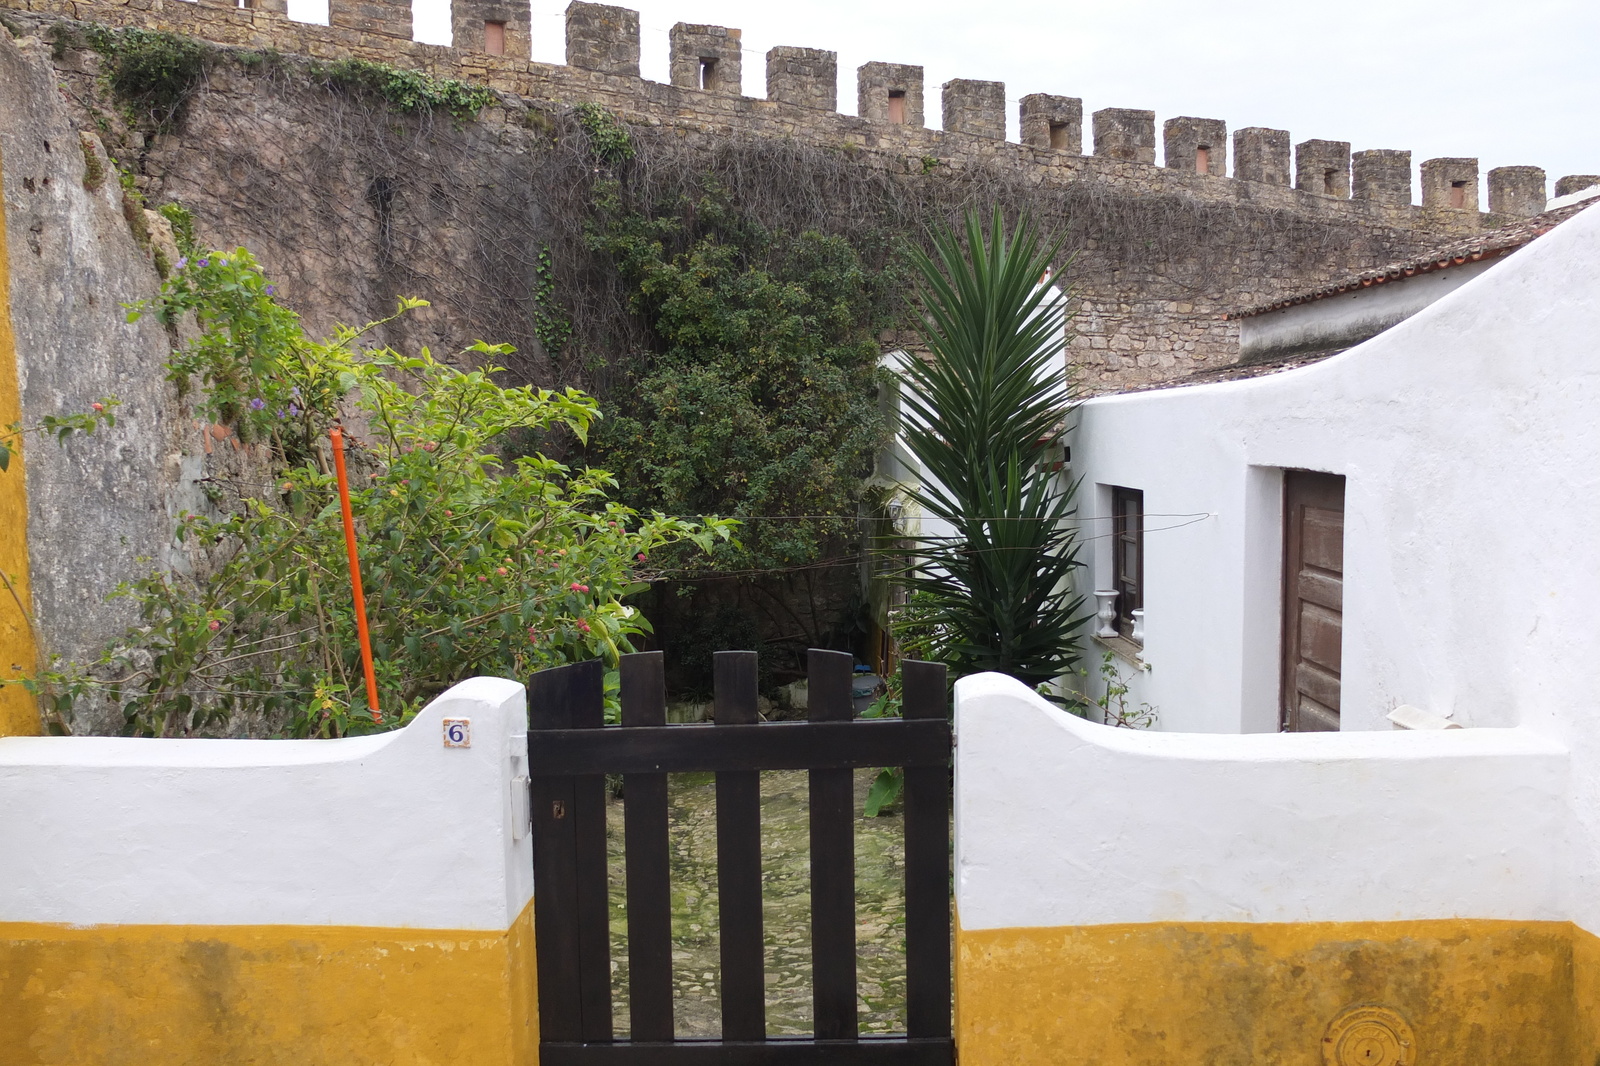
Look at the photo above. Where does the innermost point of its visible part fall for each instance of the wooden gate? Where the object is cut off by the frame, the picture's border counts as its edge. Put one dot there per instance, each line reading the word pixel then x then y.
pixel 570 750
pixel 1313 600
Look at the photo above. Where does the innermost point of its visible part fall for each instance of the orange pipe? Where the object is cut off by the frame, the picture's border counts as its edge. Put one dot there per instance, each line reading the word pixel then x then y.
pixel 337 435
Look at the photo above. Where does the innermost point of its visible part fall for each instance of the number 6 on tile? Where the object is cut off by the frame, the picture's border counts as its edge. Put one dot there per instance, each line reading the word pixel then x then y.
pixel 458 732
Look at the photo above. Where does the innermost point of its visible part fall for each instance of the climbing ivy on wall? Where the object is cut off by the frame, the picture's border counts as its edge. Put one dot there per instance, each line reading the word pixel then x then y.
pixel 759 398
pixel 408 91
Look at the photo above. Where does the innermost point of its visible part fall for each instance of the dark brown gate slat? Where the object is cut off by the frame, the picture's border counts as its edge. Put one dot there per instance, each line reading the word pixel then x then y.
pixel 871 1051
pixel 553 698
pixel 833 859
pixel 594 912
pixel 644 703
pixel 927 829
pixel 744 1004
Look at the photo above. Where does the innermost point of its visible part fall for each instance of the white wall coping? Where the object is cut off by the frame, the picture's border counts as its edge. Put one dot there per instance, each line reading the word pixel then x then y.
pixel 1063 822
pixel 392 830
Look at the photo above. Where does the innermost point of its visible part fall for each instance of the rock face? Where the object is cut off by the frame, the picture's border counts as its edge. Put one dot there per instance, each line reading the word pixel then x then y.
pixel 100 508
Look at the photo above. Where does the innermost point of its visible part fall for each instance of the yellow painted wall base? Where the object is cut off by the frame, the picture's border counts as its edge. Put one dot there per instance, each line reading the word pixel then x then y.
pixel 18 713
pixel 1237 994
pixel 290 995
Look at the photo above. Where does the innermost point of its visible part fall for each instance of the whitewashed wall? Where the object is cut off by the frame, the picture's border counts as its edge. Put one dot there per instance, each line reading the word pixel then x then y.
pixel 1062 822
pixel 1466 437
pixel 1469 436
pixel 394 830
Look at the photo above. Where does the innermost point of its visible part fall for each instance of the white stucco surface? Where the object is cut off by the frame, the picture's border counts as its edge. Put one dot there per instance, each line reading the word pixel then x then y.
pixel 394 830
pixel 1063 822
pixel 1469 437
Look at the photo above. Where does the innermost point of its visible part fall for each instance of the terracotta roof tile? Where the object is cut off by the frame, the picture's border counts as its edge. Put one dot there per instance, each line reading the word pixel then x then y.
pixel 1473 249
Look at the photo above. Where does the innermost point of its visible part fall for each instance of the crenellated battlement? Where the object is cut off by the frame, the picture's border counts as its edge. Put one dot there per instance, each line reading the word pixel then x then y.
pixel 492 44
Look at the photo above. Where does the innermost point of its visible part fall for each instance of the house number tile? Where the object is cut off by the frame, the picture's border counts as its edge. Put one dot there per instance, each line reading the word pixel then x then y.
pixel 458 732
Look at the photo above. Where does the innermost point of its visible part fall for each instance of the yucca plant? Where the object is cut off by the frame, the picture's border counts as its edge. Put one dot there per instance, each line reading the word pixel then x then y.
pixel 984 413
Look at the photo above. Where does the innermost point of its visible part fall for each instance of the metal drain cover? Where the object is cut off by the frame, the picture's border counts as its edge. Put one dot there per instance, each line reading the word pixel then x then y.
pixel 1369 1036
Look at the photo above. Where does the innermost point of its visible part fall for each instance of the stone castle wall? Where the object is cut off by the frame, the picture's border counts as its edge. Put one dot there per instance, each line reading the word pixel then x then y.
pixel 1152 295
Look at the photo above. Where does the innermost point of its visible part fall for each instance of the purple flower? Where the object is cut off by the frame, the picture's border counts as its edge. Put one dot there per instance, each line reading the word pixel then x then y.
pixel 203 262
pixel 183 261
pixel 280 413
pixel 257 404
pixel 294 412
pixel 295 392
pixel 271 289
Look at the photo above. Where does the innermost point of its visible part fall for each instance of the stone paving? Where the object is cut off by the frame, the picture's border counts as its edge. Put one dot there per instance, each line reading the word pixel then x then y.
pixel 880 910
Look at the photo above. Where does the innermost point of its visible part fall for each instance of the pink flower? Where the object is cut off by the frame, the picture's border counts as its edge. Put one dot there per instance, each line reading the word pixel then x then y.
pixel 98 406
pixel 449 513
pixel 538 551
pixel 583 625
pixel 533 635
pixel 502 571
pixel 483 577
pixel 429 446
pixel 575 587
pixel 640 557
pixel 214 626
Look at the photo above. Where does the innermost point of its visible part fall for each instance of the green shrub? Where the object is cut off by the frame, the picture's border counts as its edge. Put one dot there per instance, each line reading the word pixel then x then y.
pixel 153 71
pixel 408 91
pixel 472 565
pixel 608 138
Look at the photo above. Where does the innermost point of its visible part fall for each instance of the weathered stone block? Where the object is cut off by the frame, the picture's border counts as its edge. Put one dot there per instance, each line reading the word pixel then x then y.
pixel 1323 167
pixel 889 92
pixel 808 77
pixel 473 27
pixel 1052 122
pixel 1199 145
pixel 603 38
pixel 1125 133
pixel 976 107
pixel 1576 183
pixel 390 18
pixel 1261 154
pixel 1517 191
pixel 1450 182
pixel 1382 175
pixel 707 57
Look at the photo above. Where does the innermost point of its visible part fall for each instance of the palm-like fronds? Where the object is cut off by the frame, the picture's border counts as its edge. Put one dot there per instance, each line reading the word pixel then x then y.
pixel 983 414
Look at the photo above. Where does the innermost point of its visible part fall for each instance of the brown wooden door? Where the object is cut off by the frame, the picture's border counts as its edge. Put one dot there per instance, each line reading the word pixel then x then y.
pixel 1313 599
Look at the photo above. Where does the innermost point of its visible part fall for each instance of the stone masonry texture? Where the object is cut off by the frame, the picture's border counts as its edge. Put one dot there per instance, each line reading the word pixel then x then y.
pixel 428 208
pixel 380 17
pixel 1323 167
pixel 975 107
pixel 1261 154
pixel 1183 139
pixel 1450 182
pixel 1572 183
pixel 1516 191
pixel 711 53
pixel 1054 122
pixel 1125 133
pixel 805 77
pixel 1381 174
pixel 878 83
pixel 603 38
pixel 468 19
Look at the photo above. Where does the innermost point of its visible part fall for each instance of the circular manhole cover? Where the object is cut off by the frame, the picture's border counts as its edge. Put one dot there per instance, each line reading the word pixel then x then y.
pixel 1369 1036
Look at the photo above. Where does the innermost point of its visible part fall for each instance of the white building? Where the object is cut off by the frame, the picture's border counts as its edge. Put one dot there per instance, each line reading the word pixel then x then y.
pixel 1431 490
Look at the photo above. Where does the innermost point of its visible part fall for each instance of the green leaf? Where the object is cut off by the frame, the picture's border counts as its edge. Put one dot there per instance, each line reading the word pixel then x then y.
pixel 885 790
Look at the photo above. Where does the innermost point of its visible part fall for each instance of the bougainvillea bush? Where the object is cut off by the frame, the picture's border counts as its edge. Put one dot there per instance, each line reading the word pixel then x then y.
pixel 473 564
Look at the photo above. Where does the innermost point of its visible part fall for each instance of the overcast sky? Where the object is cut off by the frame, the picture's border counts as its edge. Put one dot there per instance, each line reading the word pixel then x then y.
pixel 1509 83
